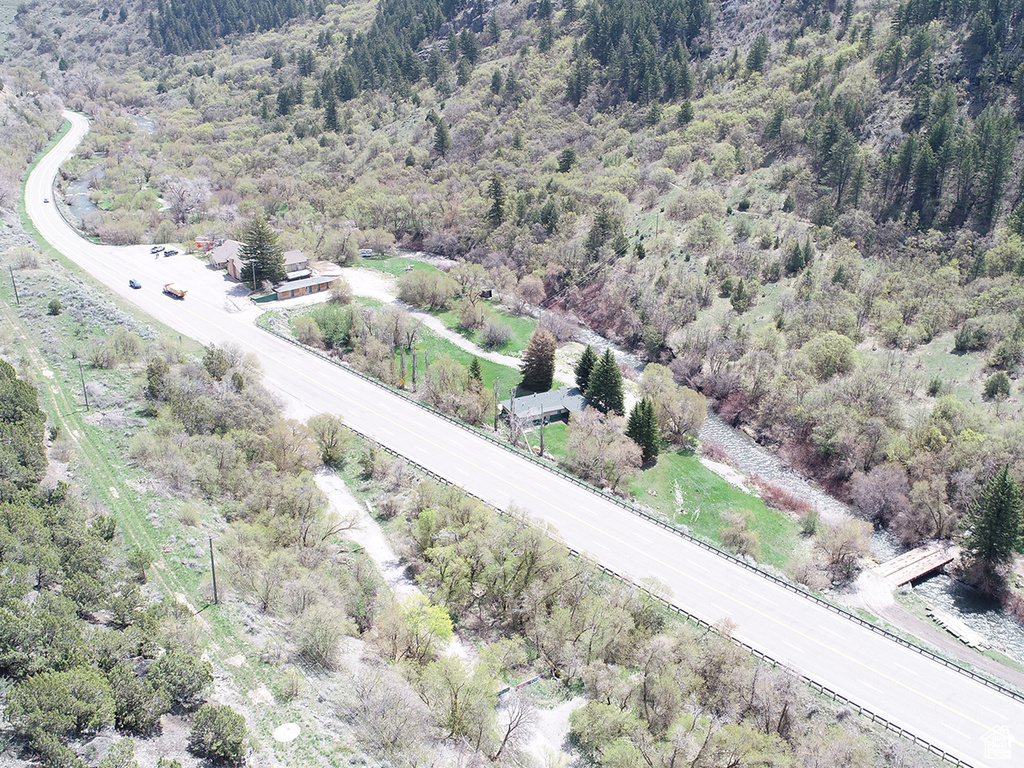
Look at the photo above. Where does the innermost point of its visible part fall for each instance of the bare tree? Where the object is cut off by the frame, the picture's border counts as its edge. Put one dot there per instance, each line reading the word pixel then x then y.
pixel 517 717
pixel 185 197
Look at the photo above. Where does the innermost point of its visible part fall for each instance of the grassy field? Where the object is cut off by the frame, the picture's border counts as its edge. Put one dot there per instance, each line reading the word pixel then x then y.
pixel 396 265
pixel 431 346
pixel 522 328
pixel 707 498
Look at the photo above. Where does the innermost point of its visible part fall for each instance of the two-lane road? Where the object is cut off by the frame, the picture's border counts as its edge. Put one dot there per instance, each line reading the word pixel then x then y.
pixel 956 714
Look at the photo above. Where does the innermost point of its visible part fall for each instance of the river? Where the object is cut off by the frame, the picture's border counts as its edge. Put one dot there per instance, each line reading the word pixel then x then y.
pixel 76 194
pixel 984 616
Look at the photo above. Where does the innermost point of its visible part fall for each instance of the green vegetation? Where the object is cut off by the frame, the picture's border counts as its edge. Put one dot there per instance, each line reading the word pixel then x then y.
pixel 695 497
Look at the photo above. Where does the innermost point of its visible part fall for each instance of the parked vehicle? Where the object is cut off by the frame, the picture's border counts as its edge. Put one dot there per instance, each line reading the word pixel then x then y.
pixel 134 284
pixel 46 199
pixel 156 249
pixel 174 290
pixel 170 252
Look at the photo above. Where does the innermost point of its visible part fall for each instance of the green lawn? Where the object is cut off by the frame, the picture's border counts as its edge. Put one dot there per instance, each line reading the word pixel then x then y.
pixel 556 436
pixel 436 346
pixel 395 265
pixel 522 328
pixel 706 498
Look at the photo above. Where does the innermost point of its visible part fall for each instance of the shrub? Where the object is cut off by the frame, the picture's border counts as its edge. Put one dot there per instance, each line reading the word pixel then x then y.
pixel 341 292
pixel 335 323
pixel 496 333
pixel 54 308
pixel 971 337
pixel 997 385
pixel 779 498
pixel 737 535
pixel 934 386
pixel 219 733
pixel 184 678
pixel 308 332
pixel 427 289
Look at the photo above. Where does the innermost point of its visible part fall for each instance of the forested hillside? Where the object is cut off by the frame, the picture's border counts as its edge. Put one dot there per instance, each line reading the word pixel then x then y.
pixel 808 211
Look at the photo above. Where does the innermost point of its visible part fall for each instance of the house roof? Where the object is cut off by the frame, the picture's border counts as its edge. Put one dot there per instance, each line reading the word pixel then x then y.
pixel 294 285
pixel 294 257
pixel 548 403
pixel 225 252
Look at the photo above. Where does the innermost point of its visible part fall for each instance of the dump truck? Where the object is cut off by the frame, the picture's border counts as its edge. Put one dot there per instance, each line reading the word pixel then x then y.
pixel 175 290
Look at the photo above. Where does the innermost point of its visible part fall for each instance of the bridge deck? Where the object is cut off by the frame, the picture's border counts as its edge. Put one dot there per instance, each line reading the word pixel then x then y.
pixel 917 562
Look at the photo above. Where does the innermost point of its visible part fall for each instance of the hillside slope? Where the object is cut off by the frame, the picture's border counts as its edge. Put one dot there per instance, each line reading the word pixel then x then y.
pixel 810 212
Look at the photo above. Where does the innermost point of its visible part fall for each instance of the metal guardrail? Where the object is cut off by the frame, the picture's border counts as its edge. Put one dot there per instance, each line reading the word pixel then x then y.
pixel 657 521
pixel 760 655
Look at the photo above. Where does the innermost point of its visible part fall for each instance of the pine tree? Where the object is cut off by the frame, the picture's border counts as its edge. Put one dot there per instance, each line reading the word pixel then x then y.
pixel 584 366
pixel 331 115
pixel 642 429
pixel 758 54
pixel 442 141
pixel 999 516
pixel 496 191
pixel 261 255
pixel 475 372
pixel 604 388
pixel 538 367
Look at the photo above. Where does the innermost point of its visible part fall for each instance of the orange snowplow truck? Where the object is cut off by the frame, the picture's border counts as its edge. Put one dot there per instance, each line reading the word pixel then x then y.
pixel 175 290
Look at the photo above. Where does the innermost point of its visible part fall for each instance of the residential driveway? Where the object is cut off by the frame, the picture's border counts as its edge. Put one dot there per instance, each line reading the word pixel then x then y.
pixel 948 709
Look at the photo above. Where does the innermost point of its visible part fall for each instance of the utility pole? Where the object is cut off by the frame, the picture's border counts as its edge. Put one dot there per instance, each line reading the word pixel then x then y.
pixel 543 421
pixel 414 367
pixel 496 380
pixel 213 569
pixel 15 284
pixel 85 393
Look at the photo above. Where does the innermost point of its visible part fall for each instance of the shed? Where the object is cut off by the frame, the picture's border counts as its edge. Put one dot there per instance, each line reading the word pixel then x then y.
pixel 293 288
pixel 554 405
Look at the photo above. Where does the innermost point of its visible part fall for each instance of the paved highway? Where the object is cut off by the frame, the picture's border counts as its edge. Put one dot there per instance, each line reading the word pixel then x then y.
pixel 951 711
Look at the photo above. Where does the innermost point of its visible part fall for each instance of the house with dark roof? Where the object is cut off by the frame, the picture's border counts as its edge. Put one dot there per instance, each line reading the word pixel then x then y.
pixel 555 405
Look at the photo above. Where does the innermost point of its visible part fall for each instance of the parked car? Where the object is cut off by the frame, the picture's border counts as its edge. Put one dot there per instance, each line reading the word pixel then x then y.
pixel 156 249
pixel 134 284
pixel 46 199
pixel 170 252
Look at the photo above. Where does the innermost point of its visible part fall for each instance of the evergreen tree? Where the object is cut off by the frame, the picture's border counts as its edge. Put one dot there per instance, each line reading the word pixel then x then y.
pixel 261 255
pixel 758 54
pixel 442 141
pixel 584 366
pixel 546 38
pixel 331 115
pixel 604 387
pixel 496 82
pixel 538 367
pixel 475 373
pixel 642 429
pixel 999 513
pixel 496 191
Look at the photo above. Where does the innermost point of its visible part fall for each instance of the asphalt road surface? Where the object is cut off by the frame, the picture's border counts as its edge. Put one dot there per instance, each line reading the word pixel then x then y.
pixel 951 711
